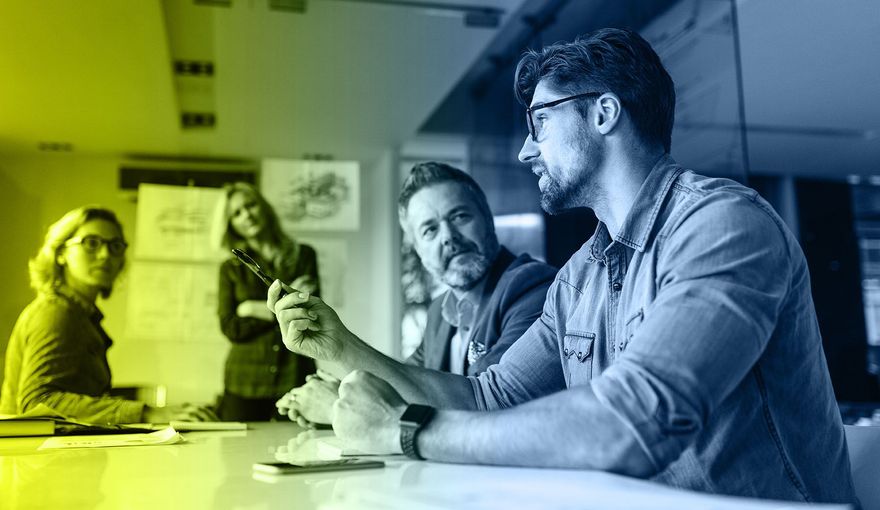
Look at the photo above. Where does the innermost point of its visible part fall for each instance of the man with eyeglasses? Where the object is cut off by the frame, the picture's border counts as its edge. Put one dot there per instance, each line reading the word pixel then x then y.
pixel 57 354
pixel 680 343
pixel 493 296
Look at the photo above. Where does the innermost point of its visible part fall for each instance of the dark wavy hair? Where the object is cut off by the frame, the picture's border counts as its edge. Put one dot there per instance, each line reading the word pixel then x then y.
pixel 608 60
pixel 45 272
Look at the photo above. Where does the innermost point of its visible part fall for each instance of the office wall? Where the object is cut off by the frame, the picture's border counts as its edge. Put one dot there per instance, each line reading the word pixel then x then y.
pixel 36 189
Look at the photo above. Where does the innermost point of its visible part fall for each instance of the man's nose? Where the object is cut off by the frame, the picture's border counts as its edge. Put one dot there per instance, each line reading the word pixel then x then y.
pixel 103 251
pixel 448 233
pixel 529 150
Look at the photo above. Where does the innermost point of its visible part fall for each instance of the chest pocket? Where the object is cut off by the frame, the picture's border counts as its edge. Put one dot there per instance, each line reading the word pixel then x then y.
pixel 577 356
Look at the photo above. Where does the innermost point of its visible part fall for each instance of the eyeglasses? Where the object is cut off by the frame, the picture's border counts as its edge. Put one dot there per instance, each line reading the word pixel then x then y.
pixel 535 128
pixel 93 243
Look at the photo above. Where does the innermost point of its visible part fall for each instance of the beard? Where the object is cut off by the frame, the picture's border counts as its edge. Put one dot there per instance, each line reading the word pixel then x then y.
pixel 465 271
pixel 555 197
pixel 558 196
pixel 464 264
pixel 105 291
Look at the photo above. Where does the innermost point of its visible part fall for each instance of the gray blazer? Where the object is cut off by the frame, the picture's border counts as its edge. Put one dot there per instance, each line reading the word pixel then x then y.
pixel 512 300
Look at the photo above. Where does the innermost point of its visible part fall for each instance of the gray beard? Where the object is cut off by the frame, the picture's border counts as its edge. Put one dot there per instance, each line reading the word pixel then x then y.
pixel 466 277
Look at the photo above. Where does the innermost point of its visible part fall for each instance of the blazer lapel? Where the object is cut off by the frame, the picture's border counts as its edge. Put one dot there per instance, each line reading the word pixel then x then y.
pixel 437 347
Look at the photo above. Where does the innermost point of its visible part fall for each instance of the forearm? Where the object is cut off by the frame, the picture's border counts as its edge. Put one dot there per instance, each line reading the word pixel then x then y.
pixel 415 384
pixel 569 429
pixel 244 329
pixel 86 408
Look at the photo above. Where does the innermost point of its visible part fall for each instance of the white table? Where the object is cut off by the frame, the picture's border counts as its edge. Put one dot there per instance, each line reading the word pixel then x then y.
pixel 212 470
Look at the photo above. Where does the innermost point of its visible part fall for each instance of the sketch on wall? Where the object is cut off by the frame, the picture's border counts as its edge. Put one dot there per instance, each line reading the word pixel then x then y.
pixel 178 223
pixel 313 195
pixel 173 302
pixel 173 276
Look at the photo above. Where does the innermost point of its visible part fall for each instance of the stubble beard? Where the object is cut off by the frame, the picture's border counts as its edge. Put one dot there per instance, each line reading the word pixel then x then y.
pixel 556 197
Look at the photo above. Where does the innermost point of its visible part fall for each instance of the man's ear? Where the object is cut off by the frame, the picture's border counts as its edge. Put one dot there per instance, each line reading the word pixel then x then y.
pixel 608 113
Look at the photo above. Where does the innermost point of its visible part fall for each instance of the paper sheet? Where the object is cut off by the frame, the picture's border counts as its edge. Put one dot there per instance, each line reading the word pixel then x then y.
pixel 318 196
pixel 179 223
pixel 165 436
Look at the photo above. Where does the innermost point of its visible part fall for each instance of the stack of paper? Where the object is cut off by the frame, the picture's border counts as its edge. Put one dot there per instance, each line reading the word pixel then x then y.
pixel 42 420
pixel 165 436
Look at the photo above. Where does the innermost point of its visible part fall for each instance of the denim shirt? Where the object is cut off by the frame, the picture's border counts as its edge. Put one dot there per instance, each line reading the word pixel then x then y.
pixel 696 327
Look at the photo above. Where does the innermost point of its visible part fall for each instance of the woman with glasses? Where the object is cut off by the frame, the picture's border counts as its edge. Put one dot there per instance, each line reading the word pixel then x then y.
pixel 57 354
pixel 259 369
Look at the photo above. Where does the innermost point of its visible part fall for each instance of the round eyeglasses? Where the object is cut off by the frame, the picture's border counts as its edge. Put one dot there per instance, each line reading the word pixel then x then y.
pixel 535 127
pixel 93 243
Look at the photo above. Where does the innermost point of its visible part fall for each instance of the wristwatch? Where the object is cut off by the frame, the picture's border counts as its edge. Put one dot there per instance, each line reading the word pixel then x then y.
pixel 413 419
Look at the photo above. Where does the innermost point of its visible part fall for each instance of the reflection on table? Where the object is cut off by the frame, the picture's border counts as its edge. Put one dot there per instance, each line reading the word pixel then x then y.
pixel 213 470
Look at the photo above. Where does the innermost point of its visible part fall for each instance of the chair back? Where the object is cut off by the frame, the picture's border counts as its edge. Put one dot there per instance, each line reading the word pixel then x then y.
pixel 864 457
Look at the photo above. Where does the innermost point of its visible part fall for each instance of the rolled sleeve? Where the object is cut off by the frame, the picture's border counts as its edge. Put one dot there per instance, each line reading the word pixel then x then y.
pixel 722 276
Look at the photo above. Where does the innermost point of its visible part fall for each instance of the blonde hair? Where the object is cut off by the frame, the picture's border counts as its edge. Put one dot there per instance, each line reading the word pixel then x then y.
pixel 45 272
pixel 231 239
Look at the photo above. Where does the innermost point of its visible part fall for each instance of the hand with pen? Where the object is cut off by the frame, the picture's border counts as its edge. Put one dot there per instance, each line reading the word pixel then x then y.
pixel 308 326
pixel 256 309
pixel 311 403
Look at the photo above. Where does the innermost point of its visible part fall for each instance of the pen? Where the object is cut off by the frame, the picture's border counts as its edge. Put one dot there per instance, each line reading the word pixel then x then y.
pixel 253 266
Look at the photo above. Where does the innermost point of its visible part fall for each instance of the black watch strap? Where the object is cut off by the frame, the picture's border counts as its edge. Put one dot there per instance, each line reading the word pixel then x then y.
pixel 414 418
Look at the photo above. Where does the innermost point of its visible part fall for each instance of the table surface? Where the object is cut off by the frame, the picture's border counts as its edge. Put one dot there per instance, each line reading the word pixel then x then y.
pixel 214 470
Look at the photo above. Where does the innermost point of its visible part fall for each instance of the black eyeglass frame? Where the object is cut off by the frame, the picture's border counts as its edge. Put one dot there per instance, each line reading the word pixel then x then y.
pixel 549 104
pixel 108 242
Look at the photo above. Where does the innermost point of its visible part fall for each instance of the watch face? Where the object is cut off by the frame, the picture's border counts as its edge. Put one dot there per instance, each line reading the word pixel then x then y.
pixel 417 414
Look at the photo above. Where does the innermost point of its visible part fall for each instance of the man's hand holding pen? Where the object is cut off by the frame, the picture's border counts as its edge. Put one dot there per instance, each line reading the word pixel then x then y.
pixel 308 326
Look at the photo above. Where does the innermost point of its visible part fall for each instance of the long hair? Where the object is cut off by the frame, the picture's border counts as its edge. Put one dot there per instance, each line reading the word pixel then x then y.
pixel 276 235
pixel 607 60
pixel 45 272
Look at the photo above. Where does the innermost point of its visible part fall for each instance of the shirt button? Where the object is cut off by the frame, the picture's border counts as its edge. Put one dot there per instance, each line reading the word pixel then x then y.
pixel 616 286
pixel 272 370
pixel 275 348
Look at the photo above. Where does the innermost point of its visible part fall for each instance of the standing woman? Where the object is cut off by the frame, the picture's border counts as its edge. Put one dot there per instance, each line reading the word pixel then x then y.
pixel 57 353
pixel 259 369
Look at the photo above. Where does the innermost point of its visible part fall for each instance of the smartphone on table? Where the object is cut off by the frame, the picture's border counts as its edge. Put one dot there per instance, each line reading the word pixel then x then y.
pixel 286 468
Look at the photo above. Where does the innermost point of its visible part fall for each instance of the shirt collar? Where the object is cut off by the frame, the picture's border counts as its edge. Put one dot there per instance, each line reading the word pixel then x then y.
pixel 639 222
pixel 71 296
pixel 451 307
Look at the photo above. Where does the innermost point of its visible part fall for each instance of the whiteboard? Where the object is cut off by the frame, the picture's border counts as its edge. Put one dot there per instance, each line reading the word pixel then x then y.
pixel 172 301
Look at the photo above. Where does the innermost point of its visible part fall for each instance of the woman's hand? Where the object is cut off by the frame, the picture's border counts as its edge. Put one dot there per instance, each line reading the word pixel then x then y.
pixel 254 309
pixel 305 283
pixel 183 412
